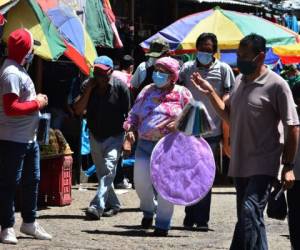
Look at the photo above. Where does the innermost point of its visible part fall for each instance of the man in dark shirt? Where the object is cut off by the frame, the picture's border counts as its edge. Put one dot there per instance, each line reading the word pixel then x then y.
pixel 106 101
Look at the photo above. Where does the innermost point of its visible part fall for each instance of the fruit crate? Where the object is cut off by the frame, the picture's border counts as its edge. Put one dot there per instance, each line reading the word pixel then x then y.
pixel 56 181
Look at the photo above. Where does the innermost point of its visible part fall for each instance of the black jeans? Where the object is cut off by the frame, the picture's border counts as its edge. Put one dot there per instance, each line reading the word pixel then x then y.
pixel 294 215
pixel 199 213
pixel 251 196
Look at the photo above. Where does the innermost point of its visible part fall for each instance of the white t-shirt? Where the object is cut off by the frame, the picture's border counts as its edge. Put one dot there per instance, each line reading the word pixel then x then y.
pixel 14 79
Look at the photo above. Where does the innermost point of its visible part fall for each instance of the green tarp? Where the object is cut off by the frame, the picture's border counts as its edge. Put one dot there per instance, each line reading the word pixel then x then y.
pixel 98 25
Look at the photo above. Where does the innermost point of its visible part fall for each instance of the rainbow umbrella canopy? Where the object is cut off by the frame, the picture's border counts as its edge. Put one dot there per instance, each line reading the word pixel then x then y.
pixel 28 14
pixel 288 54
pixel 229 27
pixel 80 48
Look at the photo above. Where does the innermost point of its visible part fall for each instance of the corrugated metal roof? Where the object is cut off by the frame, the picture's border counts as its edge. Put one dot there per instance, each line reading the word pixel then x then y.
pixel 233 2
pixel 290 4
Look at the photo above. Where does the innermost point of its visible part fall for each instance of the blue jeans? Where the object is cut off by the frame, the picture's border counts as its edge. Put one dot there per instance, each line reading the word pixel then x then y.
pixel 145 190
pixel 105 155
pixel 252 196
pixel 19 164
pixel 199 212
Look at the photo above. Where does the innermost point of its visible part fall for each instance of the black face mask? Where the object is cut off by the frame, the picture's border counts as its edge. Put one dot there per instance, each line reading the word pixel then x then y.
pixel 246 67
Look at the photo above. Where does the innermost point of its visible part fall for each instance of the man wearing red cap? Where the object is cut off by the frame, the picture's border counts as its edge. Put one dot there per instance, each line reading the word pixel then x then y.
pixel 19 151
pixel 106 100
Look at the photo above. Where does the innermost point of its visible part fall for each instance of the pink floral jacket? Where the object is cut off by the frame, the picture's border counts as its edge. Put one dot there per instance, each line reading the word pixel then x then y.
pixel 154 108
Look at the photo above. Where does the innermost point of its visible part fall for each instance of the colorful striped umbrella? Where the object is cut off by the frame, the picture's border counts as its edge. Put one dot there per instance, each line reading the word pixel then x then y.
pixel 229 27
pixel 80 47
pixel 288 53
pixel 28 14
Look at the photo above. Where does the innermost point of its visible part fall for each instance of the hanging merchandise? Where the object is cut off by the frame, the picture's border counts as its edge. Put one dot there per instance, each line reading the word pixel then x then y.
pixel 195 120
pixel 112 20
pixel 291 22
pixel 99 20
pixel 98 25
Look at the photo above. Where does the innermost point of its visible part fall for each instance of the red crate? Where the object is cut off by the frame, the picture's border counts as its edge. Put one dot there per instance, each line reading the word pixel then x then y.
pixel 56 181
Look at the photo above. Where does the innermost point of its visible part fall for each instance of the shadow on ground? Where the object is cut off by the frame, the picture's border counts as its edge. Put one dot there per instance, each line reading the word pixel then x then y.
pixel 62 216
pixel 224 193
pixel 130 233
pixel 130 210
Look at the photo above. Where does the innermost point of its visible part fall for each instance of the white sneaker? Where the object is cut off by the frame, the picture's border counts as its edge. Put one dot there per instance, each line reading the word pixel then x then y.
pixel 35 230
pixel 8 236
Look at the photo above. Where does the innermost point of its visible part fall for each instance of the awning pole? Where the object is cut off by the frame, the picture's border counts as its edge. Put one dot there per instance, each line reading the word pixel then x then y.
pixel 132 24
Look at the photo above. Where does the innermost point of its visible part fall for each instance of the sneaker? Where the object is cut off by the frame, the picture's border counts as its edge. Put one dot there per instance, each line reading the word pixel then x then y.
pixel 147 223
pixel 202 227
pixel 160 232
pixel 111 212
pixel 124 185
pixel 93 213
pixel 36 230
pixel 8 236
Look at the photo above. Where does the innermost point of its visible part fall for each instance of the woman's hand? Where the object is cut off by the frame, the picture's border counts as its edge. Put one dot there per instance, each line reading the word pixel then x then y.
pixel 171 126
pixel 127 148
pixel 130 136
pixel 201 84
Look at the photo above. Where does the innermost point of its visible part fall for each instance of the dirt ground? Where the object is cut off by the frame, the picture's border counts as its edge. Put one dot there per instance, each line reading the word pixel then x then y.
pixel 72 231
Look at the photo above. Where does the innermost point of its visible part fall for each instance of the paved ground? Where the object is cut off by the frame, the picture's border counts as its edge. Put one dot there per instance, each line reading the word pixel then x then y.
pixel 72 231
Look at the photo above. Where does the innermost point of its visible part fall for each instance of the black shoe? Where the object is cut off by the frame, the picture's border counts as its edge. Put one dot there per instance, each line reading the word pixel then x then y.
pixel 188 224
pixel 92 213
pixel 111 212
pixel 147 223
pixel 203 227
pixel 160 232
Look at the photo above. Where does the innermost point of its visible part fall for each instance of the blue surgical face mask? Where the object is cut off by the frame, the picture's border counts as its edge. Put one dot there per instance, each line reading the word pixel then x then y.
pixel 160 79
pixel 204 58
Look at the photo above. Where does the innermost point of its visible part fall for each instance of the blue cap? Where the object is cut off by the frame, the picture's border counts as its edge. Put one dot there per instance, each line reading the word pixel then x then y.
pixel 104 62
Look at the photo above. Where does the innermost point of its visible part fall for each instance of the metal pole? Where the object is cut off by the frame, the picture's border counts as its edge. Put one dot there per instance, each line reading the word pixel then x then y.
pixel 132 25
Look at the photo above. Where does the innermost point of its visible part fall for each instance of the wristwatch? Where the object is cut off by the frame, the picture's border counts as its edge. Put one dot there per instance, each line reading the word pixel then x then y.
pixel 289 166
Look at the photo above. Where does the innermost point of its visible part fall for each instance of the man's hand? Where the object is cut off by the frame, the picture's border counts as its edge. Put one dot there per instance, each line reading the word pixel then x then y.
pixel 201 84
pixel 287 177
pixel 42 100
pixel 91 83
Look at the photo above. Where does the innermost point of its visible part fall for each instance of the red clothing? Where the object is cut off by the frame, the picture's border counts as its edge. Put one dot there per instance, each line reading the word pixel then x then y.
pixel 12 106
pixel 19 44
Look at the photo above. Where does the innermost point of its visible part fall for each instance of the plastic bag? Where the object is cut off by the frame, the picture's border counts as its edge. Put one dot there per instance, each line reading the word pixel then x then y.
pixel 277 209
pixel 43 130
